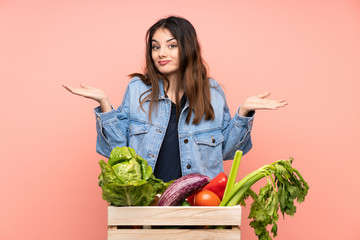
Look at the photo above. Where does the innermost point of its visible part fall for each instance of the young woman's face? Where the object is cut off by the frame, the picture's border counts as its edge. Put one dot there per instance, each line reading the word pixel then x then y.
pixel 165 53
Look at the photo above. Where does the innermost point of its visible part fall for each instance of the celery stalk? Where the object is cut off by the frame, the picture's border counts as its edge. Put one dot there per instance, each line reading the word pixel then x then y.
pixel 240 188
pixel 237 193
pixel 233 173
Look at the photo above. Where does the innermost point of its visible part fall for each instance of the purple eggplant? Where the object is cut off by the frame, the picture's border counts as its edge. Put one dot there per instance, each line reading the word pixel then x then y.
pixel 183 188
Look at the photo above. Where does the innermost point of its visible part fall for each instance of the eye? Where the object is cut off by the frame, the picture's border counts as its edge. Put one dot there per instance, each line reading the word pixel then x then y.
pixel 172 46
pixel 155 47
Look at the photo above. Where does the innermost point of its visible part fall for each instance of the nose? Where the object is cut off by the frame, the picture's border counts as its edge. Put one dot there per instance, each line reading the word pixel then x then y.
pixel 162 52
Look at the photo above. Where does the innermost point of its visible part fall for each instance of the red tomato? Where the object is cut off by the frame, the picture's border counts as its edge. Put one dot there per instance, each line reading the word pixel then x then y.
pixel 206 198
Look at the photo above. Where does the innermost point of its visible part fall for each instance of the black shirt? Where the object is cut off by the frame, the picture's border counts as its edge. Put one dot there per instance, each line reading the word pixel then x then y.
pixel 168 165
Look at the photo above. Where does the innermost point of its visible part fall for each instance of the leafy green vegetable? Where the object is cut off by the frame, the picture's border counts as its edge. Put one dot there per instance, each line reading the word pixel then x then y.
pixel 185 204
pixel 233 172
pixel 284 185
pixel 127 179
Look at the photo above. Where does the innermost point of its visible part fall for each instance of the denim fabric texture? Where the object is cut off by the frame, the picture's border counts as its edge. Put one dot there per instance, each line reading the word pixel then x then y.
pixel 203 147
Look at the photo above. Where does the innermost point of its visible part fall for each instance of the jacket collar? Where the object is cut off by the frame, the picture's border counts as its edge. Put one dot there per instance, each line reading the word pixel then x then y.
pixel 161 90
pixel 162 95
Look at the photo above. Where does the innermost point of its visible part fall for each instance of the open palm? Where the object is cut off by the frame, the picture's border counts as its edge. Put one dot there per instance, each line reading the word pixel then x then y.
pixel 92 93
pixel 88 92
pixel 259 102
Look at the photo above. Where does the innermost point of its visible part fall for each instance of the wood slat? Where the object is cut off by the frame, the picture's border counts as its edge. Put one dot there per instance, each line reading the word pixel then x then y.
pixel 183 234
pixel 183 216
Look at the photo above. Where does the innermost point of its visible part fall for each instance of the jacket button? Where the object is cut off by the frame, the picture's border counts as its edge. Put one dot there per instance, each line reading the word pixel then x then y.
pixel 186 141
pixel 188 166
pixel 213 140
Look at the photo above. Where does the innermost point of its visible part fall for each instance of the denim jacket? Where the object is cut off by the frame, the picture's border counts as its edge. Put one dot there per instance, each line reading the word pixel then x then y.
pixel 203 147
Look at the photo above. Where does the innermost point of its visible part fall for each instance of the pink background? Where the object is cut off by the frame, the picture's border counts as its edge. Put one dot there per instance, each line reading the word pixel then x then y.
pixel 307 52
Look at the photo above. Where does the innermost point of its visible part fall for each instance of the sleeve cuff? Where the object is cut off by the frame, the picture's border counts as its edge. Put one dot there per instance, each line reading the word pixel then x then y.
pixel 101 117
pixel 244 121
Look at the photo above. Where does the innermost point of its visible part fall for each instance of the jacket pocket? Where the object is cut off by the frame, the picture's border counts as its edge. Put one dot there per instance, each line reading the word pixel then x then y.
pixel 209 145
pixel 137 133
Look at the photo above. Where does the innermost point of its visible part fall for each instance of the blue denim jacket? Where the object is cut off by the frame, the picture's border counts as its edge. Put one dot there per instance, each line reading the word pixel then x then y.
pixel 203 147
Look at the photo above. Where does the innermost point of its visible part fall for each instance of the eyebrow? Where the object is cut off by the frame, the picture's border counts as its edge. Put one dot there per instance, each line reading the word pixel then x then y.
pixel 153 40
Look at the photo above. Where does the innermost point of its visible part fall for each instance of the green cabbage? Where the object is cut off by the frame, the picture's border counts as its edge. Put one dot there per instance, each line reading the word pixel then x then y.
pixel 128 180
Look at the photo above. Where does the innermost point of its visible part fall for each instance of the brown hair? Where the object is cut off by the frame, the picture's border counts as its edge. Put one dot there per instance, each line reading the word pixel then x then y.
pixel 192 74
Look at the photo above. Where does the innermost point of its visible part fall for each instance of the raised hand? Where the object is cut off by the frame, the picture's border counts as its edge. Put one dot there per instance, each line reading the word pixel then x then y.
pixel 92 93
pixel 259 102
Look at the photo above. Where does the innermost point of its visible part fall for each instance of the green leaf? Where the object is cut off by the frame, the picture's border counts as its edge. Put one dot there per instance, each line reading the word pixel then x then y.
pixel 274 230
pixel 245 196
pixel 128 195
pixel 119 154
pixel 128 171
pixel 107 174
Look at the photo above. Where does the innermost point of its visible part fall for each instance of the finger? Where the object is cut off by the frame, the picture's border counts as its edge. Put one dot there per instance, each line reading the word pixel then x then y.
pixel 75 91
pixel 282 104
pixel 80 92
pixel 274 104
pixel 67 88
pixel 270 101
pixel 84 86
pixel 273 107
pixel 264 95
pixel 87 87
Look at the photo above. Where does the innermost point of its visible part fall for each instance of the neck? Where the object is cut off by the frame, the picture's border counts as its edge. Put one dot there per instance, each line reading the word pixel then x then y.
pixel 171 92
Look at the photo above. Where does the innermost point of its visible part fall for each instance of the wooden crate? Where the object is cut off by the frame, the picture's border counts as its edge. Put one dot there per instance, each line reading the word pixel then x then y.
pixel 150 222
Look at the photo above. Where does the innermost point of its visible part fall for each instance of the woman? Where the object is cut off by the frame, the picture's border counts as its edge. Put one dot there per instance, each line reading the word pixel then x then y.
pixel 174 115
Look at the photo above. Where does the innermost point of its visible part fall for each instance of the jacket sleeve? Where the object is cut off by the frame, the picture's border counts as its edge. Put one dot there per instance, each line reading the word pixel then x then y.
pixel 112 127
pixel 237 133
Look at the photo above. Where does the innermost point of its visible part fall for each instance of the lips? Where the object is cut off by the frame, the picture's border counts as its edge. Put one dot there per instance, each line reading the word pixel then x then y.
pixel 164 62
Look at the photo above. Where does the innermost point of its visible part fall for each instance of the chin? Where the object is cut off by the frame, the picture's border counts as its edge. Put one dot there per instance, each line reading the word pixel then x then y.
pixel 167 73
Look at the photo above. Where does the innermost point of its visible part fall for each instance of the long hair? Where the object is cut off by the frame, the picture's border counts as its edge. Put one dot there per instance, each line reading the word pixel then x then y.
pixel 192 74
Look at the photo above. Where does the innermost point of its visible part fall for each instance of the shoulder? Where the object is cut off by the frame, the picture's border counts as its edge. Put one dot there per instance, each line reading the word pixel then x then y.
pixel 215 88
pixel 137 83
pixel 136 87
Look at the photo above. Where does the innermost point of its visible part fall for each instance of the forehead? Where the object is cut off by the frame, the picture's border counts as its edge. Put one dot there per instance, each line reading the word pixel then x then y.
pixel 162 35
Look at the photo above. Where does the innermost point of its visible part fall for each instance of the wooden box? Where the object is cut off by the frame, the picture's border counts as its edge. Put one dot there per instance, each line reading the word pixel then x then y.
pixel 159 223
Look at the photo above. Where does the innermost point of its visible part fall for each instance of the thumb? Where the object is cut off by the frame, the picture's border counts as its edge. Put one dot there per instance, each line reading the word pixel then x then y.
pixel 264 95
